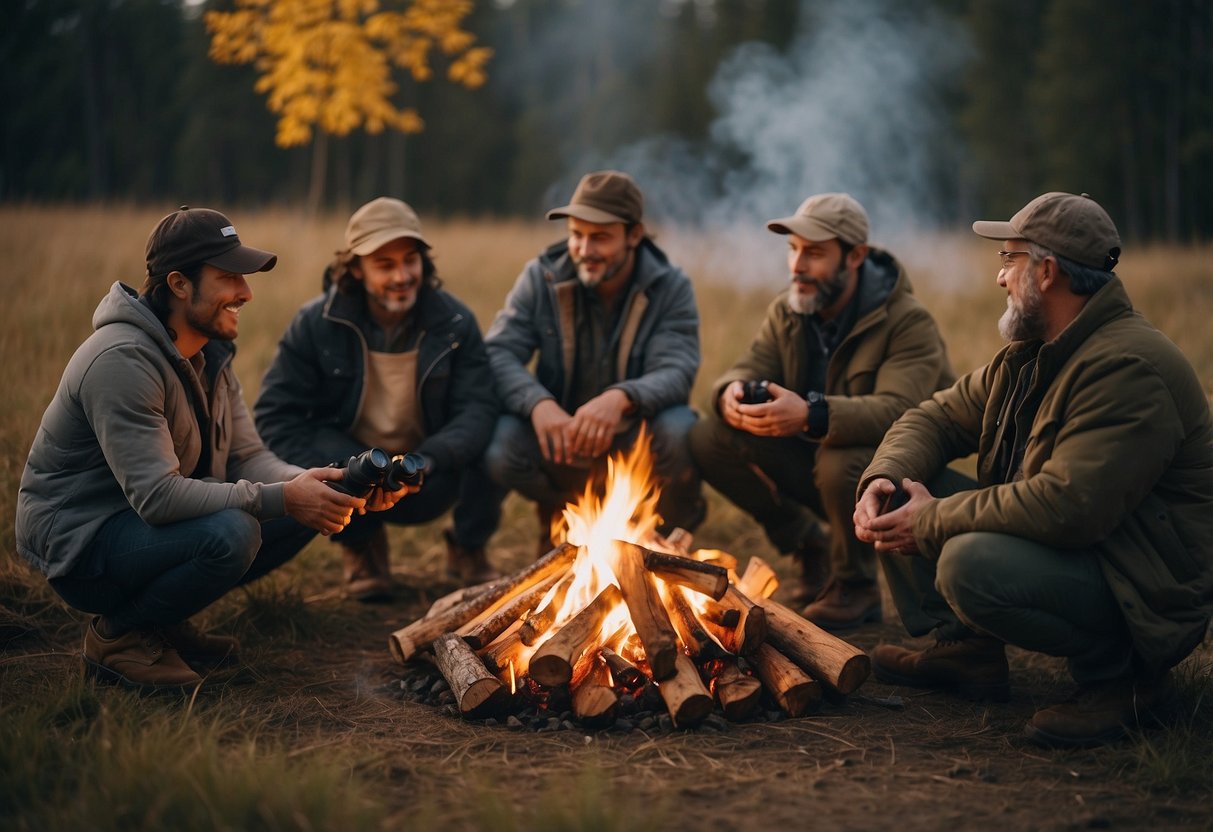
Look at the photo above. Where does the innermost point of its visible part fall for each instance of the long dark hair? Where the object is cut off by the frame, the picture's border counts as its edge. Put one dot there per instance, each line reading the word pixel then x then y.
pixel 341 272
pixel 156 290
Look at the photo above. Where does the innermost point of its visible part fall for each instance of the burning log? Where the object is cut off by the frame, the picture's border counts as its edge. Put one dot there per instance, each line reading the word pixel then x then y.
pixel 507 648
pixel 685 696
pixel 792 688
pixel 538 622
pixel 679 541
pixel 624 672
pixel 705 578
pixel 464 593
pixel 759 579
pixel 726 617
pixel 477 692
pixel 480 631
pixel 751 628
pixel 737 693
pixel 595 702
pixel 715 556
pixel 647 610
pixel 701 645
pixel 408 641
pixel 552 664
pixel 839 665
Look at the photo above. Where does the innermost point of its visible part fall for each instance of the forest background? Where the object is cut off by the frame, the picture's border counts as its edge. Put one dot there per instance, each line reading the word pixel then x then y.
pixel 932 113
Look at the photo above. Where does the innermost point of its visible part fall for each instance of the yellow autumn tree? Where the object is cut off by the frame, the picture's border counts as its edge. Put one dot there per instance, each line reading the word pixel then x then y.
pixel 326 66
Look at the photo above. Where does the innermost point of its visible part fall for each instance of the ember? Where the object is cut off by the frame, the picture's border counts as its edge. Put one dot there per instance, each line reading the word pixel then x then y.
pixel 617 609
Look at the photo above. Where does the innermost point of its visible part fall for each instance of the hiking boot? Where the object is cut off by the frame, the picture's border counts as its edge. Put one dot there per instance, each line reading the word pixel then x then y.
pixel 199 649
pixel 975 667
pixel 140 659
pixel 813 557
pixel 845 605
pixel 468 566
pixel 368 577
pixel 1099 714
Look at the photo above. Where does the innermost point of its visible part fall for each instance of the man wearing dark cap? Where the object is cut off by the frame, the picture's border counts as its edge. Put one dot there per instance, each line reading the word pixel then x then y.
pixel 1089 531
pixel 616 331
pixel 147 493
pixel 842 353
pixel 386 358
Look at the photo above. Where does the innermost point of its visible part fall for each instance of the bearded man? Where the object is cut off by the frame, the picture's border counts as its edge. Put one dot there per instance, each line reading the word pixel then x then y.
pixel 1089 531
pixel 843 352
pixel 615 330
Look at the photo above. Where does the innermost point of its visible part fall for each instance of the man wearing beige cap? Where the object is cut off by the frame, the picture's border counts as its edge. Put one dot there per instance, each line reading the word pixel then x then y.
pixel 616 332
pixel 385 358
pixel 841 354
pixel 147 494
pixel 1089 531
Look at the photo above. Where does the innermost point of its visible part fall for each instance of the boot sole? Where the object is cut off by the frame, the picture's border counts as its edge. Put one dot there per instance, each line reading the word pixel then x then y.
pixel 109 676
pixel 977 692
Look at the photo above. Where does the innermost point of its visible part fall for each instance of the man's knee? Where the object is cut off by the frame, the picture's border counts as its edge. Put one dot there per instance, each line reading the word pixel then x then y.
pixel 713 444
pixel 970 566
pixel 671 438
pixel 230 540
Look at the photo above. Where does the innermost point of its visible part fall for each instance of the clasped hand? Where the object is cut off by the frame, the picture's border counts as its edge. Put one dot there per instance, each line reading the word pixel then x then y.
pixel 786 414
pixel 890 531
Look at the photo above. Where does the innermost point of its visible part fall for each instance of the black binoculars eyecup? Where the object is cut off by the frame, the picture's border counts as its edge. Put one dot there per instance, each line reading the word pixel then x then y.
pixel 363 472
pixel 405 469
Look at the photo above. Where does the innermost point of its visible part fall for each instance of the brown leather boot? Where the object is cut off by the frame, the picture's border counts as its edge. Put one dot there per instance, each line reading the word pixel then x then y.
pixel 1100 714
pixel 845 605
pixel 368 576
pixel 140 659
pixel 199 649
pixel 813 557
pixel 975 667
pixel 468 566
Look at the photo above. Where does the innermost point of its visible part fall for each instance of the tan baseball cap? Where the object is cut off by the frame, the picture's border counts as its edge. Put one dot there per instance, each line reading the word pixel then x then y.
pixel 379 222
pixel 1076 227
pixel 825 217
pixel 604 196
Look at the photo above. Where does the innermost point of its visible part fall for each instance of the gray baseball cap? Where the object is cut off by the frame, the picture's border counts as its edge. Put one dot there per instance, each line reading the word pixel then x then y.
pixel 1076 227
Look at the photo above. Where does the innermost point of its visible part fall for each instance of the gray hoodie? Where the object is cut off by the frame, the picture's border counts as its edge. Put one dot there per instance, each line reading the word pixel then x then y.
pixel 123 432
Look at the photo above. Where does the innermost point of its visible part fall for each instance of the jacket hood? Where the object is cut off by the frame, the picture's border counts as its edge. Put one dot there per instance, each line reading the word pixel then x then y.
pixel 122 305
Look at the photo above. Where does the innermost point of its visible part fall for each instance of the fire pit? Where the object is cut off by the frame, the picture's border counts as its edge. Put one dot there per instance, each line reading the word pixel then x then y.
pixel 618 610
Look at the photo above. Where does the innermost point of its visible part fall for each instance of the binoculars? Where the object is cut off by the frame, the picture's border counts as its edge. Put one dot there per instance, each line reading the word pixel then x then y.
pixel 755 391
pixel 373 467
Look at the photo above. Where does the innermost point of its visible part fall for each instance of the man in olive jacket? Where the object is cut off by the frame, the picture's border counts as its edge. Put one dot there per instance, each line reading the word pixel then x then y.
pixel 844 351
pixel 1089 533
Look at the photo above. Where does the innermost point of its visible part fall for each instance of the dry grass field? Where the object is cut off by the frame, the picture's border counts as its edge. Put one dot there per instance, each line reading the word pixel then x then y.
pixel 304 735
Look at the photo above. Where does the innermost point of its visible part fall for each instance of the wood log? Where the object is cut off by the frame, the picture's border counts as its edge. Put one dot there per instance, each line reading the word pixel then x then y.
pixel 705 578
pixel 679 540
pixel 625 674
pixel 480 631
pixel 839 665
pixel 738 694
pixel 793 689
pixel 477 692
pixel 552 664
pixel 751 629
pixel 503 650
pixel 686 698
pixel 759 579
pixel 714 556
pixel 691 630
pixel 538 622
pixel 595 702
pixel 646 609
pixel 721 616
pixel 408 641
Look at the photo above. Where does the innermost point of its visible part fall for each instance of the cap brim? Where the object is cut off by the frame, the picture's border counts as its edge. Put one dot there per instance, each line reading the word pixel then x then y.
pixel 993 230
pixel 244 260
pixel 585 212
pixel 805 227
pixel 381 238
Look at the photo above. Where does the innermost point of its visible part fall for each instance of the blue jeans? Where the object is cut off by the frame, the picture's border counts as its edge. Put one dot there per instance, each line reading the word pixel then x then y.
pixel 513 461
pixel 143 575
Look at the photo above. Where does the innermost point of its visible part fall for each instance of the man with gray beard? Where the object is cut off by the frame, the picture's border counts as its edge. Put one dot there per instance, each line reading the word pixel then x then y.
pixel 1089 531
pixel 841 354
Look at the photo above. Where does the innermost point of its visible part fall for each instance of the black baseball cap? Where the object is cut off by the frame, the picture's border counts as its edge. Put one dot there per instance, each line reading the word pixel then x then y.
pixel 200 235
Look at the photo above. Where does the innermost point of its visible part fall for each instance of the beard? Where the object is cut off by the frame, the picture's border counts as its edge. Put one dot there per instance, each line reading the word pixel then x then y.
pixel 205 319
pixel 828 291
pixel 589 280
pixel 1023 320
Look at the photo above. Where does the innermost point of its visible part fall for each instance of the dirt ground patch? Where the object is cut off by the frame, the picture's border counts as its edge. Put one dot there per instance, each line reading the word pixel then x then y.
pixel 323 682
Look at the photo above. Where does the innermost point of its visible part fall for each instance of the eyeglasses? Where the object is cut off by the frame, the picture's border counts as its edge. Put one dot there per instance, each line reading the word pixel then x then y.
pixel 1009 256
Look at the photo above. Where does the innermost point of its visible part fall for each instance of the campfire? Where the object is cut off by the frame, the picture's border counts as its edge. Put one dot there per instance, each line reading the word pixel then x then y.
pixel 617 607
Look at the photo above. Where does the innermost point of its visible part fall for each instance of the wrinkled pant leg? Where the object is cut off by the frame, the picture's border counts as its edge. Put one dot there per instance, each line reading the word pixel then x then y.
pixel 681 502
pixel 836 473
pixel 1039 598
pixel 142 575
pixel 513 461
pixel 769 478
pixel 911 578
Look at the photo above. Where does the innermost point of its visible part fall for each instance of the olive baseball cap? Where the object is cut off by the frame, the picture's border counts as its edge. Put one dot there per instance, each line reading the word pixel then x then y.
pixel 200 235
pixel 379 222
pixel 825 217
pixel 605 196
pixel 1076 227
